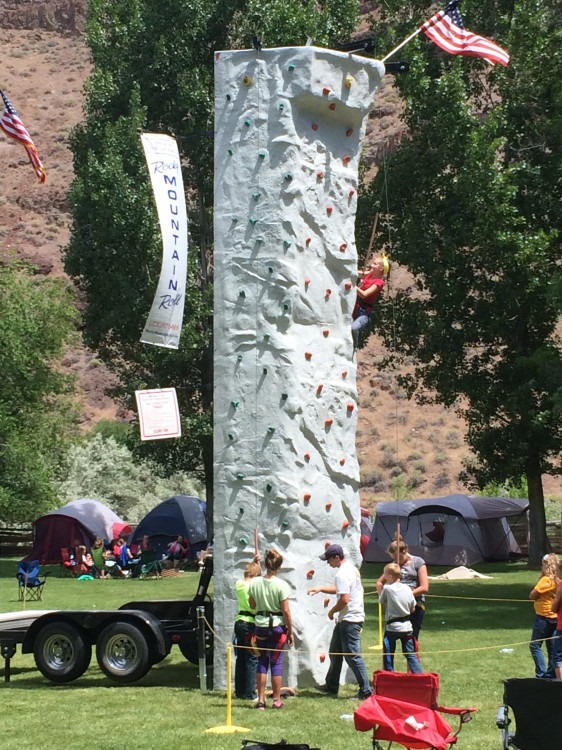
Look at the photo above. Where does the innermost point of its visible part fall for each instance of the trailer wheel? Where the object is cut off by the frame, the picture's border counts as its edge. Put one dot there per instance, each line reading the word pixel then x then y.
pixel 122 652
pixel 190 649
pixel 61 652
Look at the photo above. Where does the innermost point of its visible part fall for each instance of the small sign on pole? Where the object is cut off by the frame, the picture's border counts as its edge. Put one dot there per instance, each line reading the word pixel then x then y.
pixel 159 415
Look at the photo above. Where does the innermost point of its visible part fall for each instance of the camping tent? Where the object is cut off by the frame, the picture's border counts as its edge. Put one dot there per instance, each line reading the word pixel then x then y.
pixel 77 522
pixel 453 530
pixel 181 514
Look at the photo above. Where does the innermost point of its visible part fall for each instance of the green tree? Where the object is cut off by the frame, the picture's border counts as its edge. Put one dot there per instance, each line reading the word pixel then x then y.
pixel 37 418
pixel 153 71
pixel 474 210
pixel 103 469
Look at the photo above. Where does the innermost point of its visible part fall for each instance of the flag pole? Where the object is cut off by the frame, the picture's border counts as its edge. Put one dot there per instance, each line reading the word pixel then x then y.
pixel 402 44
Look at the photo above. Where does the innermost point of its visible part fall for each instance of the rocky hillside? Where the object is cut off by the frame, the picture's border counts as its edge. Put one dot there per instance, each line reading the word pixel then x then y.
pixel 46 63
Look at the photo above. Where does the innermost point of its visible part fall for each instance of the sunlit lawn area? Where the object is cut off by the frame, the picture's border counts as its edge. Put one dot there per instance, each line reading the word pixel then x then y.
pixel 467 626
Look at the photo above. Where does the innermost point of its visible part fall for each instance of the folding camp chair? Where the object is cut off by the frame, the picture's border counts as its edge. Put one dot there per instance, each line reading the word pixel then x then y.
pixel 536 708
pixel 67 562
pixel 404 709
pixel 30 585
pixel 150 566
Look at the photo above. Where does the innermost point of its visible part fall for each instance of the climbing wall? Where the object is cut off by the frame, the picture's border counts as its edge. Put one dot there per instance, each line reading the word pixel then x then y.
pixel 289 126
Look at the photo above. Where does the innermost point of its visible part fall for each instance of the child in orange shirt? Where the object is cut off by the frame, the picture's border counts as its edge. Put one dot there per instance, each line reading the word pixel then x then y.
pixel 544 626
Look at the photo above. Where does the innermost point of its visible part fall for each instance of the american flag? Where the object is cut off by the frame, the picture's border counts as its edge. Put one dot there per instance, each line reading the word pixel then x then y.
pixel 446 29
pixel 11 124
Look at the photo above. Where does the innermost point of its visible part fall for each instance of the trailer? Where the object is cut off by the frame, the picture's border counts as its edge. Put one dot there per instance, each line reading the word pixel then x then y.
pixel 128 641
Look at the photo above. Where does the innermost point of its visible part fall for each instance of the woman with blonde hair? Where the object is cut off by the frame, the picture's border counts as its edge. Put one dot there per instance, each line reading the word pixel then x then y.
pixel 544 626
pixel 269 596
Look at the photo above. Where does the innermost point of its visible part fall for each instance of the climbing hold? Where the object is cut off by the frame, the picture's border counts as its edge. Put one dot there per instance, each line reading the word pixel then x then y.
pixel 234 404
pixel 348 285
pixel 241 511
pixel 325 333
pixel 350 407
pixel 329 210
pixel 319 388
pixel 266 336
pixel 328 506
pixel 343 247
pixel 327 292
pixel 346 159
pixel 327 544
pixel 307 281
pixel 288 177
pixel 345 524
pixel 291 67
pixel 344 374
pixel 281 106
pixel 268 487
pixel 308 241
pixel 327 601
pixel 243 540
pixel 247 122
pixel 308 355
pixel 264 370
pixel 349 82
pixel 253 221
pixel 240 475
pixel 307 457
pixel 271 430
pixel 228 97
pixel 239 358
pixel 309 574
pixel 325 91
pixel 329 423
pixel 284 396
pixel 342 461
pixel 256 196
pixel 230 152
pixel 349 132
pixel 247 80
pixel 314 126
pixel 286 243
pixel 262 154
pixel 259 239
pixel 351 193
pixel 270 269
pixel 307 497
pixel 230 436
pixel 322 658
pixel 320 175
pixel 286 306
pixel 285 523
pixel 332 106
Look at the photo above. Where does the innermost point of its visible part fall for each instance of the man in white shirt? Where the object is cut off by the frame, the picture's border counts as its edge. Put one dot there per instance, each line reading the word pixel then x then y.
pixel 346 638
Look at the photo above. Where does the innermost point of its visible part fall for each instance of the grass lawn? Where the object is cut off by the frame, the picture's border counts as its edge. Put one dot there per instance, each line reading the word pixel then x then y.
pixel 467 625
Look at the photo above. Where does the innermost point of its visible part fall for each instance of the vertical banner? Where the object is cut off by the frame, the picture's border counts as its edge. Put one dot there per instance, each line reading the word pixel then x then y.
pixel 159 415
pixel 164 323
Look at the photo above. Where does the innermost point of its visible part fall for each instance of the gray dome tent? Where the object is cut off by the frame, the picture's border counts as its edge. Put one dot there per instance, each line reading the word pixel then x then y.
pixel 452 530
pixel 181 514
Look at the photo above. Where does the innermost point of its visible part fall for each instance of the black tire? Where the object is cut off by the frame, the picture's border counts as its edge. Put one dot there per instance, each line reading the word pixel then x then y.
pixel 61 652
pixel 190 650
pixel 122 652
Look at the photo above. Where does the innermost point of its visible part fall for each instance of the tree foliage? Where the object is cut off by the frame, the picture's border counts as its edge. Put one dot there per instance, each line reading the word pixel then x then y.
pixel 153 71
pixel 37 419
pixel 474 213
pixel 103 469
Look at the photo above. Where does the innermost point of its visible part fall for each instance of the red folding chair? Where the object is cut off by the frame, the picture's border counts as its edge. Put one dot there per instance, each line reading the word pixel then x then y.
pixel 404 709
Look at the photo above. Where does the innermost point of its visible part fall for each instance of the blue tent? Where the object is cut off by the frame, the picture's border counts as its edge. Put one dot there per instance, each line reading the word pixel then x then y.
pixel 181 514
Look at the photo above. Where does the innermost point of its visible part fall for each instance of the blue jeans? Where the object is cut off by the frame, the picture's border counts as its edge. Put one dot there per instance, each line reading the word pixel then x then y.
pixel 408 642
pixel 246 661
pixel 543 627
pixel 346 639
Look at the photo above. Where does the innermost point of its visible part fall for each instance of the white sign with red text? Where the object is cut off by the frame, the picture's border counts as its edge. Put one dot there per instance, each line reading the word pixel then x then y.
pixel 159 415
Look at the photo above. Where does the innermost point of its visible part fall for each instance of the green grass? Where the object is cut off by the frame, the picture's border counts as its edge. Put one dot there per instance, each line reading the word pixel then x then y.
pixel 466 626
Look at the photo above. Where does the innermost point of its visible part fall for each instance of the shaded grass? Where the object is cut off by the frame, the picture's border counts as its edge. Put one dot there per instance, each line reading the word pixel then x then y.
pixel 466 626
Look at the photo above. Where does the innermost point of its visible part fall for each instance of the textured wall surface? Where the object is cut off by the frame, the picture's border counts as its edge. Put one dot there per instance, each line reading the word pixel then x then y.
pixel 289 126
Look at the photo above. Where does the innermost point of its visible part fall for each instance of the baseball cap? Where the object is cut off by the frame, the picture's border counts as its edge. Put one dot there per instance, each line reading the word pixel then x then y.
pixel 332 551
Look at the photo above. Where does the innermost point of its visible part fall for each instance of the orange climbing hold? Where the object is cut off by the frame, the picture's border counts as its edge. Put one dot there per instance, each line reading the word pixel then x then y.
pixel 329 422
pixel 345 524
pixel 307 457
pixel 319 389
pixel 325 333
pixel 325 91
pixel 309 574
pixel 348 285
pixel 307 497
pixel 327 601
pixel 350 407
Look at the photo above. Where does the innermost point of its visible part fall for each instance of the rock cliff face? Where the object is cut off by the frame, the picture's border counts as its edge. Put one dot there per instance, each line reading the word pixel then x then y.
pixel 57 15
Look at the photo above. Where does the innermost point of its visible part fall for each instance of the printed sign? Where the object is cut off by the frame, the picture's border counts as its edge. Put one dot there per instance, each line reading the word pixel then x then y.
pixel 159 416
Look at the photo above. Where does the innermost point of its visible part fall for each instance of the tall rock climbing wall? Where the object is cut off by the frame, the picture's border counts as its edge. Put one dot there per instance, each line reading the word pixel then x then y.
pixel 289 127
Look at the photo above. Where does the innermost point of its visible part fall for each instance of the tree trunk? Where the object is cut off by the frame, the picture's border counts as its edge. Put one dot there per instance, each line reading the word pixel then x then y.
pixel 538 541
